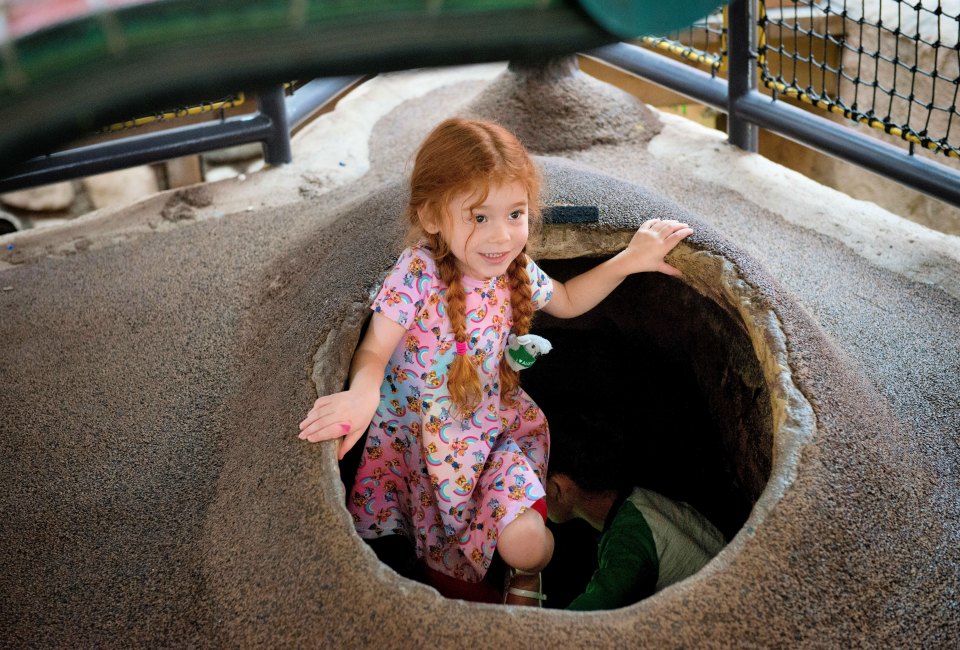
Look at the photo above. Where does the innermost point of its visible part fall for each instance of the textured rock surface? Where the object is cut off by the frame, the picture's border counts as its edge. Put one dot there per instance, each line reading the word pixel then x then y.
pixel 582 111
pixel 154 492
pixel 47 198
pixel 121 187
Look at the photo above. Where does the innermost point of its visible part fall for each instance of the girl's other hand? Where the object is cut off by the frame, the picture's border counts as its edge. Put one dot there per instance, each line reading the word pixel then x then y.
pixel 652 241
pixel 341 415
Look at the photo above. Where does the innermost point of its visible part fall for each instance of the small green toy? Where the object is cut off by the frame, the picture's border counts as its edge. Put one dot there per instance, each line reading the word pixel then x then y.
pixel 523 350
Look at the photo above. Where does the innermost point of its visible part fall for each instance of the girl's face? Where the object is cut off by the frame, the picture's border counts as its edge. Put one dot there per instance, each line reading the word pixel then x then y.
pixel 486 238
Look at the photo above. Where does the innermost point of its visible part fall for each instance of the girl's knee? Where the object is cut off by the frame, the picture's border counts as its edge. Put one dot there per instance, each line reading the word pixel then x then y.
pixel 526 543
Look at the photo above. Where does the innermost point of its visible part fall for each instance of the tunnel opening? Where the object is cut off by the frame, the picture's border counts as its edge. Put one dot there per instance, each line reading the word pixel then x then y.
pixel 682 378
pixel 704 341
pixel 8 224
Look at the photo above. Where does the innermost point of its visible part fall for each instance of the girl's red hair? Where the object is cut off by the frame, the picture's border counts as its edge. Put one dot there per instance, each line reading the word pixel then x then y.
pixel 460 156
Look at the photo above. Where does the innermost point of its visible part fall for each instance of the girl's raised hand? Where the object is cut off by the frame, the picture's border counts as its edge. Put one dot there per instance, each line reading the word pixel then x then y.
pixel 340 415
pixel 652 241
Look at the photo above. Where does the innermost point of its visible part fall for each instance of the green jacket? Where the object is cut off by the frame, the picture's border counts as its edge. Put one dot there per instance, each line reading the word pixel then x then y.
pixel 648 543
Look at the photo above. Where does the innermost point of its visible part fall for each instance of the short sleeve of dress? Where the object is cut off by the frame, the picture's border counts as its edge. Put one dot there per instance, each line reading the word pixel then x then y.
pixel 406 286
pixel 541 285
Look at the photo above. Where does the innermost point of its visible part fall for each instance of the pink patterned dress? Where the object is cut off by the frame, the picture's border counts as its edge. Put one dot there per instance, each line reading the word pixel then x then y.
pixel 449 484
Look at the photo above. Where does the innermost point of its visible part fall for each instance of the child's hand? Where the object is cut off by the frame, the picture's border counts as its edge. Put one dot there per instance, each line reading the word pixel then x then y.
pixel 346 414
pixel 652 241
pixel 645 252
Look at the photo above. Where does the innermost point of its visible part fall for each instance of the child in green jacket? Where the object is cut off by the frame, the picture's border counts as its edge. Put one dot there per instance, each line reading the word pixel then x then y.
pixel 647 541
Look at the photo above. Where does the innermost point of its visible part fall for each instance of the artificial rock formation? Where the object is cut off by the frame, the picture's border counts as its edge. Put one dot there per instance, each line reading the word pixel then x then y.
pixel 582 111
pixel 154 488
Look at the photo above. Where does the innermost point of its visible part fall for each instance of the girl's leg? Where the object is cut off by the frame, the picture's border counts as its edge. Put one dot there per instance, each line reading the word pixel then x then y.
pixel 526 545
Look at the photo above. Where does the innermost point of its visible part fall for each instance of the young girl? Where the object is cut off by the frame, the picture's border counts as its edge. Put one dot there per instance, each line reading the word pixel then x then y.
pixel 456 452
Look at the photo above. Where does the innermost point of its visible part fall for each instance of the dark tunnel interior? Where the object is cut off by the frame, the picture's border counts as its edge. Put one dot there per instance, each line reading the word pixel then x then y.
pixel 678 374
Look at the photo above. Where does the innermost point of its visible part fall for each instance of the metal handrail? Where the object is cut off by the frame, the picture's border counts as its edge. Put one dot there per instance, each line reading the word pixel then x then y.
pixel 278 116
pixel 748 109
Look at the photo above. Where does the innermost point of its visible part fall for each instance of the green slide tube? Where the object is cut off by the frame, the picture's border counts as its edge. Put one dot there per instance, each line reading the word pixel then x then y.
pixel 72 78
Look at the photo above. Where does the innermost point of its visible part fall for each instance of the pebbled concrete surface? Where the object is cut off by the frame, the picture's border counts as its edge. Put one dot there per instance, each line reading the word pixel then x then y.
pixel 153 492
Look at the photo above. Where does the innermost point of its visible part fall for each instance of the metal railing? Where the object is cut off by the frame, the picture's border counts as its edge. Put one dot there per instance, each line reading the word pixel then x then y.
pixel 889 64
pixel 277 116
pixel 747 109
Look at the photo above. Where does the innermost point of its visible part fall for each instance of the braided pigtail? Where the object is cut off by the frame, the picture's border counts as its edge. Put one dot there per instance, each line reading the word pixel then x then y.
pixel 462 379
pixel 463 160
pixel 521 303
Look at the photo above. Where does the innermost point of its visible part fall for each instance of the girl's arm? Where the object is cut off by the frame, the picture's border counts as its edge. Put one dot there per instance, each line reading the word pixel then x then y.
pixel 348 414
pixel 645 252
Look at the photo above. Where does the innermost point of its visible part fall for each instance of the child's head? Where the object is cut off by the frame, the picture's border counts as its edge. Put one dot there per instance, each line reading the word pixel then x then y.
pixel 474 193
pixel 586 458
pixel 456 167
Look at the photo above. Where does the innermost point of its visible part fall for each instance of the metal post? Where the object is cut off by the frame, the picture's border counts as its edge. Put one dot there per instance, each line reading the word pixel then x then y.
pixel 741 70
pixel 137 150
pixel 313 96
pixel 276 147
pixel 271 127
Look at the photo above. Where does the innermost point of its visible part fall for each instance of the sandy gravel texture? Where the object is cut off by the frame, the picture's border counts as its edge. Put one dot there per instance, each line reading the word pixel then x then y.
pixel 551 94
pixel 153 491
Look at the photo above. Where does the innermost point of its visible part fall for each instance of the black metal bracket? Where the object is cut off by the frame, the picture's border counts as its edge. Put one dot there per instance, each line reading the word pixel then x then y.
pixel 271 126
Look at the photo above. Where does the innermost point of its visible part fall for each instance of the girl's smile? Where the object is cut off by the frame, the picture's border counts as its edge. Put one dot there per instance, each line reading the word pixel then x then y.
pixel 495 258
